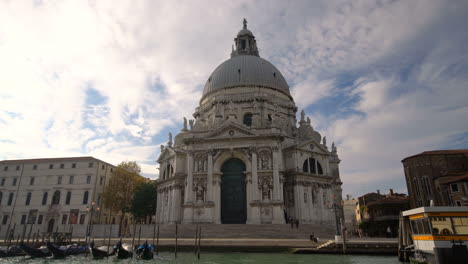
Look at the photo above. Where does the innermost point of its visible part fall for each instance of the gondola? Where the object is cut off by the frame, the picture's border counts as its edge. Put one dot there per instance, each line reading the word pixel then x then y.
pixel 145 251
pixel 63 251
pixel 13 251
pixel 123 251
pixel 100 253
pixel 41 252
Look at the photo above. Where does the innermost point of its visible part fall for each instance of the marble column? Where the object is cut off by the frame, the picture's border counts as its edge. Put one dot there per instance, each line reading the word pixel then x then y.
pixel 255 210
pixel 209 180
pixel 169 206
pixel 276 183
pixel 255 176
pixel 278 213
pixel 309 202
pixel 217 198
pixel 189 187
pixel 175 205
pixel 188 209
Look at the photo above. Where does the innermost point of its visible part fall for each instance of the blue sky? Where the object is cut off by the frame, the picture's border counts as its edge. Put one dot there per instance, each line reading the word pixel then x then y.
pixel 382 79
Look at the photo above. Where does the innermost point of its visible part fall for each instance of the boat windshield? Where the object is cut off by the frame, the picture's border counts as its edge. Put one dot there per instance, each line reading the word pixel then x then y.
pixel 440 225
pixel 449 225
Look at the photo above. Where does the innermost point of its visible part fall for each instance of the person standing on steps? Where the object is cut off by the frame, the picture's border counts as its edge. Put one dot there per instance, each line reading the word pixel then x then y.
pixel 297 223
pixel 291 221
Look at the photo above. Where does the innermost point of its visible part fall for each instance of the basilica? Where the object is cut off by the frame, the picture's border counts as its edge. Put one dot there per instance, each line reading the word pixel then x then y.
pixel 244 158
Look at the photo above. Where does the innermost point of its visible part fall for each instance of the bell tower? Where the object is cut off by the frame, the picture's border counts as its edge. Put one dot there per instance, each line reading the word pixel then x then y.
pixel 245 43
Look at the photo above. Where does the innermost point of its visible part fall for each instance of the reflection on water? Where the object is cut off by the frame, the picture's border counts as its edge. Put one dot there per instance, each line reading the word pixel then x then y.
pixel 223 258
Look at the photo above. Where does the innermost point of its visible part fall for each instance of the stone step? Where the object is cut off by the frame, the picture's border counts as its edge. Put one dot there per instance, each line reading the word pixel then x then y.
pixel 270 231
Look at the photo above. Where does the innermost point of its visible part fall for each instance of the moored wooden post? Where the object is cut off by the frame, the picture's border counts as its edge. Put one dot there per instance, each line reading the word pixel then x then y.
pixel 175 248
pixel 199 243
pixel 133 236
pixel 157 242
pixel 195 248
pixel 139 236
pixel 29 234
pixel 108 243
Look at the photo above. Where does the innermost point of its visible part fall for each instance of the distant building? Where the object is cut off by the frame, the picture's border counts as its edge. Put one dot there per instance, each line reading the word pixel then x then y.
pixel 349 210
pixel 439 175
pixel 375 213
pixel 52 194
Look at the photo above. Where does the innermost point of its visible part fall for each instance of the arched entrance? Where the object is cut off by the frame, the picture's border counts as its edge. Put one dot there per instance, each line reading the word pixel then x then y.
pixel 50 226
pixel 233 194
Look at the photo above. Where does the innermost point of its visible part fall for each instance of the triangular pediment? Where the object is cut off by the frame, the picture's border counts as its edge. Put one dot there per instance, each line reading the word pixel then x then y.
pixel 166 153
pixel 231 130
pixel 311 145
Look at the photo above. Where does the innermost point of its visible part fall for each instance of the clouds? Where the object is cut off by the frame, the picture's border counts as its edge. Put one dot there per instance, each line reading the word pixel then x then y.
pixel 385 79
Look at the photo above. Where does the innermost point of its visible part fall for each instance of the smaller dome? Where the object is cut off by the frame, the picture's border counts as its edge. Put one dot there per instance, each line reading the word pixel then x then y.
pixel 244 32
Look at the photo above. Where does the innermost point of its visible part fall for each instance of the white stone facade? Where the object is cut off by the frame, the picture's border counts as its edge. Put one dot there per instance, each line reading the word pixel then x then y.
pixel 52 194
pixel 247 114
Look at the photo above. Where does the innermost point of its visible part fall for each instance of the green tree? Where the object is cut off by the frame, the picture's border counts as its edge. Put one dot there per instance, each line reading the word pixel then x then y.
pixel 144 201
pixel 119 192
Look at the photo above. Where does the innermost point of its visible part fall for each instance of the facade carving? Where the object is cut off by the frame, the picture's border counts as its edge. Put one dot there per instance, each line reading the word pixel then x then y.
pixel 244 158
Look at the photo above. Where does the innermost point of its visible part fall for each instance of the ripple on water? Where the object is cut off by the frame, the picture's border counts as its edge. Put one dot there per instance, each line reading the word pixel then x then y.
pixel 221 258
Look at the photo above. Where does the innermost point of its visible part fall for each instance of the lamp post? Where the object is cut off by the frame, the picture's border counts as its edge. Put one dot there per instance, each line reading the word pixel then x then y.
pixel 336 208
pixel 90 209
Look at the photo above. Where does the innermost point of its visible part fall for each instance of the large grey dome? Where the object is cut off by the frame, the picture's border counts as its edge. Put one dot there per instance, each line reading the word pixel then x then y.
pixel 243 70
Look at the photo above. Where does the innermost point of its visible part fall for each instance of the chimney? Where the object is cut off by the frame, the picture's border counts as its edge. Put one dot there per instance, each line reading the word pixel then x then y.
pixel 391 191
pixel 378 191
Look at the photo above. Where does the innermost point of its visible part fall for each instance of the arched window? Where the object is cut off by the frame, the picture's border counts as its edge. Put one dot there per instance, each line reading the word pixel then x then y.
pixel 319 168
pixel 28 198
pixel 85 197
pixel 168 171
pixel 248 119
pixel 312 166
pixel 68 198
pixel 56 198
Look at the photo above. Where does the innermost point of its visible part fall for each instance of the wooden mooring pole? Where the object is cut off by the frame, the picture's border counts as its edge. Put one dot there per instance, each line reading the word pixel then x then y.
pixel 157 242
pixel 175 248
pixel 199 242
pixel 195 242
pixel 29 234
pixel 108 243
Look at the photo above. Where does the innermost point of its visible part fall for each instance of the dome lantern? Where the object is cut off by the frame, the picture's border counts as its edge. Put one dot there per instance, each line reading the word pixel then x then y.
pixel 245 43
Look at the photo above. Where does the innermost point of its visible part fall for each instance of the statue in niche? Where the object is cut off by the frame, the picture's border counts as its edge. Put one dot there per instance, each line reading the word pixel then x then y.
pixel 166 198
pixel 264 158
pixel 200 191
pixel 266 192
pixel 265 187
pixel 201 165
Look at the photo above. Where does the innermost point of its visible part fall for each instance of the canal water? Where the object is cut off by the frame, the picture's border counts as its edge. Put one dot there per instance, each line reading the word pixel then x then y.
pixel 224 258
